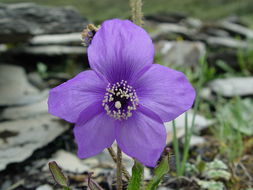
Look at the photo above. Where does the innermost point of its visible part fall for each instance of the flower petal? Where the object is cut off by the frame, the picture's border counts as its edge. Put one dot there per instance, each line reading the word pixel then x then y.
pixel 165 91
pixel 69 99
pixel 142 136
pixel 120 50
pixel 94 131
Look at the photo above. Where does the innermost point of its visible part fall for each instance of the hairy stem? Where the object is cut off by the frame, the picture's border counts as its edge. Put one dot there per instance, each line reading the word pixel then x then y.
pixel 114 158
pixel 119 169
pixel 137 15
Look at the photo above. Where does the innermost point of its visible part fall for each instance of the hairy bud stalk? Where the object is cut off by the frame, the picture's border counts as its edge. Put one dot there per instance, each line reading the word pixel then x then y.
pixel 137 15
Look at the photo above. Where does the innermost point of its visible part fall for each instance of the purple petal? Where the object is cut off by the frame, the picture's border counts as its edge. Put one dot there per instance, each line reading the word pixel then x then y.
pixel 94 131
pixel 142 136
pixel 165 91
pixel 69 99
pixel 120 50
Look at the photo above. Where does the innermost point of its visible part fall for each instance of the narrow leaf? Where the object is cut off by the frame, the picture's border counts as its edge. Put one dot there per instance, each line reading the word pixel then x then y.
pixel 159 172
pixel 136 179
pixel 58 175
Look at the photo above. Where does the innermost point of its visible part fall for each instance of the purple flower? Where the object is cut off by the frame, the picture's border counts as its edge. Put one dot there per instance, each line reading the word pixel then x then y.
pixel 125 97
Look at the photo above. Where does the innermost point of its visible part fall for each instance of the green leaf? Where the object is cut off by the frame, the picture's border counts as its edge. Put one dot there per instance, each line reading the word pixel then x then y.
pixel 58 175
pixel 136 179
pixel 211 185
pixel 160 171
pixel 237 113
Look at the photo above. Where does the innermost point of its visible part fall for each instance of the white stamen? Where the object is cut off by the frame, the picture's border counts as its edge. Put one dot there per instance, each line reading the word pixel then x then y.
pixel 117 105
pixel 124 91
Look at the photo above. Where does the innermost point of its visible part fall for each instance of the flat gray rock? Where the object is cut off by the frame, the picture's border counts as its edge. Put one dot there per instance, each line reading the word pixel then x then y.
pixel 228 42
pixel 200 123
pixel 20 138
pixel 53 50
pixel 72 38
pixel 162 30
pixel 68 162
pixel 26 111
pixel 237 29
pixel 44 187
pixel 184 53
pixel 19 22
pixel 15 88
pixel 235 86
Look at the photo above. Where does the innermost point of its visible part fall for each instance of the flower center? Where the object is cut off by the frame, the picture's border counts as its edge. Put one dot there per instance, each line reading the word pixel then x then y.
pixel 120 100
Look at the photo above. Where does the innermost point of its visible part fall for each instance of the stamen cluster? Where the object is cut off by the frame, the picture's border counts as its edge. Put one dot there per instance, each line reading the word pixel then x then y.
pixel 120 100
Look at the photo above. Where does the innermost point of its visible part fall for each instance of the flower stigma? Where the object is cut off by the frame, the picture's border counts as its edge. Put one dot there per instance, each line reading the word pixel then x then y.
pixel 120 100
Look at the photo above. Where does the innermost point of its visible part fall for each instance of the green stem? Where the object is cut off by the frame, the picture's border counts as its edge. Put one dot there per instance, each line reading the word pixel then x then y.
pixel 186 144
pixel 119 169
pixel 176 148
pixel 196 106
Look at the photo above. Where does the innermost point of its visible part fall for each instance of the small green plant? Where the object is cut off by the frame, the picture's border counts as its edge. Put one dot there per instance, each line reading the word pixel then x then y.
pixel 210 175
pixel 42 70
pixel 245 60
pixel 233 123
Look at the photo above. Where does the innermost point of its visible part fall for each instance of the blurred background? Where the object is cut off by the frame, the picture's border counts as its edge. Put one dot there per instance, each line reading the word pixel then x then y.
pixel 210 41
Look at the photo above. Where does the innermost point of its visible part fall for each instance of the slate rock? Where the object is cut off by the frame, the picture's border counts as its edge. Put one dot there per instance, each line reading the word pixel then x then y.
pixel 26 111
pixel 165 17
pixel 20 138
pixel 200 124
pixel 52 50
pixel 227 42
pixel 164 30
pixel 234 86
pixel 15 88
pixel 56 39
pixel 44 187
pixel 18 22
pixel 237 29
pixel 68 162
pixel 183 53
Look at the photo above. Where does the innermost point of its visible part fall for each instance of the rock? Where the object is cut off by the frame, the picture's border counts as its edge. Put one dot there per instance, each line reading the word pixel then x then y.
pixel 51 50
pixel 237 29
pixel 206 93
pixel 56 39
pixel 192 22
pixel 68 162
pixel 21 21
pixel 226 42
pixel 196 140
pixel 20 138
pixel 182 53
pixel 36 80
pixel 25 111
pixel 3 48
pixel 234 86
pixel 226 56
pixel 217 33
pixel 200 124
pixel 164 188
pixel 166 17
pixel 15 88
pixel 44 187
pixel 162 31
